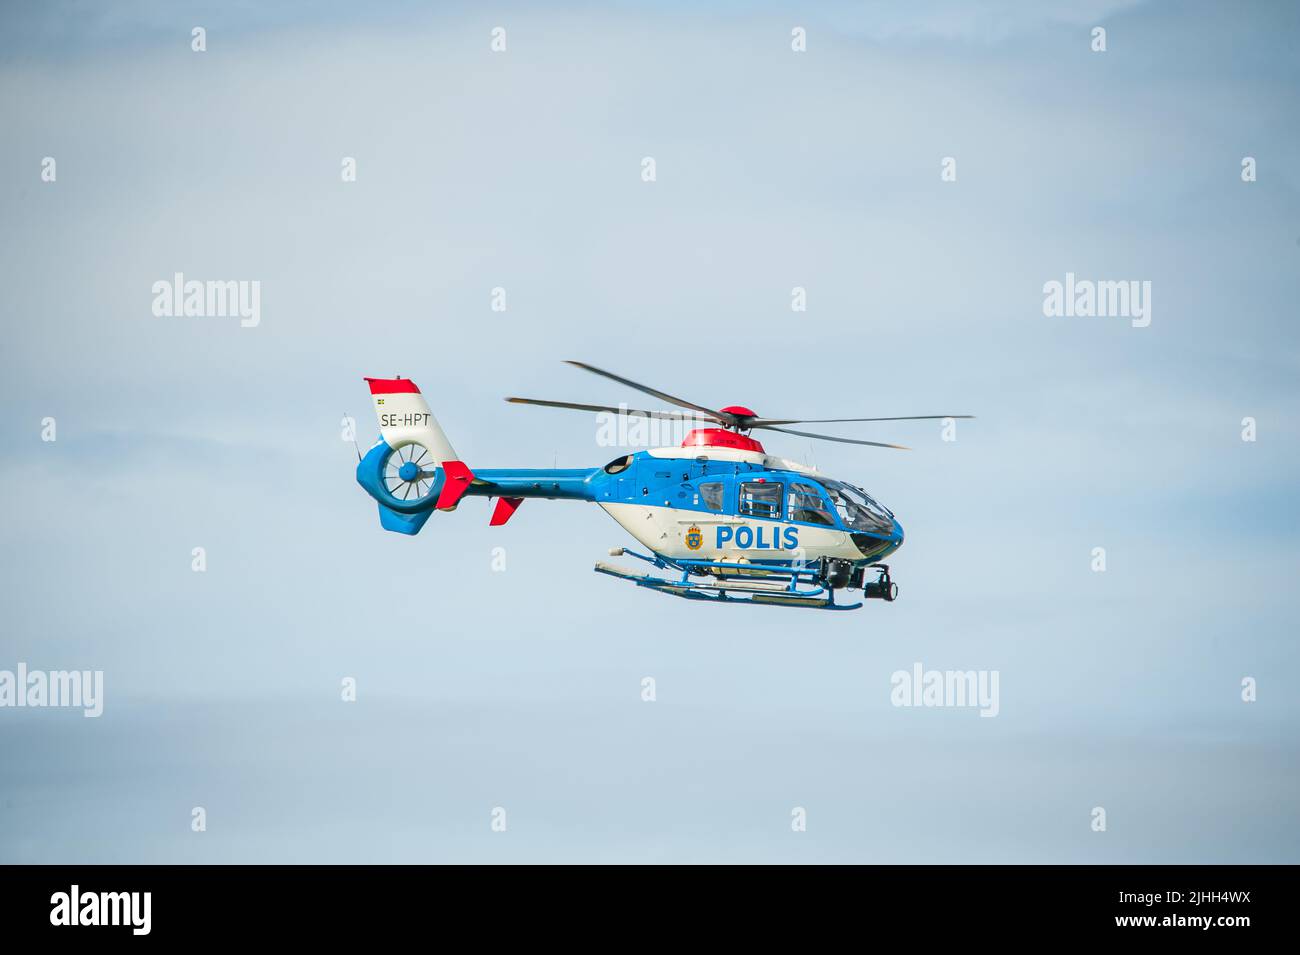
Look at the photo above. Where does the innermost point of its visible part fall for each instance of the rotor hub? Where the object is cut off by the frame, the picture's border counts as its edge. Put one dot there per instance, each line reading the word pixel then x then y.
pixel 408 471
pixel 739 410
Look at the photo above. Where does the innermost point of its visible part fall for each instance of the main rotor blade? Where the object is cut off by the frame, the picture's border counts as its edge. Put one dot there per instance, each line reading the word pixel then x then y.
pixel 669 415
pixel 719 416
pixel 766 422
pixel 831 437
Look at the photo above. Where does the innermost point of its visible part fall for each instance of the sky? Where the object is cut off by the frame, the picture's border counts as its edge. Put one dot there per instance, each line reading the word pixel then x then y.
pixel 521 689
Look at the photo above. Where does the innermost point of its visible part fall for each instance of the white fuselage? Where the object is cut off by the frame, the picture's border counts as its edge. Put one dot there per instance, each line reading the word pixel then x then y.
pixel 664 530
pixel 728 537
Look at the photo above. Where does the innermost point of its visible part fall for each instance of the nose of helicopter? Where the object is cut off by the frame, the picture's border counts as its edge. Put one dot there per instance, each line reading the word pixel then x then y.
pixel 881 545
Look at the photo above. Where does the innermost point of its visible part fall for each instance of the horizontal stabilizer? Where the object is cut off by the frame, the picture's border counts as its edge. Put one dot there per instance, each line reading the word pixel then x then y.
pixel 505 509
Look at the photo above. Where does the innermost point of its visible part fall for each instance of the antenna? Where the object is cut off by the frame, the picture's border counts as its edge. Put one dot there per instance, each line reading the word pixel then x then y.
pixel 354 434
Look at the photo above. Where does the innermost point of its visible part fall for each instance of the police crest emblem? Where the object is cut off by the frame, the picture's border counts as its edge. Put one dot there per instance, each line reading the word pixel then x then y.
pixel 694 539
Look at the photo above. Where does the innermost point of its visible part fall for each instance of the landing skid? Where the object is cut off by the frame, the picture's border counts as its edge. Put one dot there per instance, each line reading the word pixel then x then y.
pixel 735 584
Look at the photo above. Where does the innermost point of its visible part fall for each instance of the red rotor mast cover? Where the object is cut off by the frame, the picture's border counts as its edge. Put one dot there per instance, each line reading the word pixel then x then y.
pixel 721 438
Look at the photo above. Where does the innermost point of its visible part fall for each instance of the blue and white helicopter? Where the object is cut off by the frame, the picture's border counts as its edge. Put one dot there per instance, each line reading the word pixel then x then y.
pixel 722 519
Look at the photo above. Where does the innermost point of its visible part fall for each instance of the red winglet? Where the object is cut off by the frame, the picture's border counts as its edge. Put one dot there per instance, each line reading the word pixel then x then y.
pixel 505 509
pixel 456 483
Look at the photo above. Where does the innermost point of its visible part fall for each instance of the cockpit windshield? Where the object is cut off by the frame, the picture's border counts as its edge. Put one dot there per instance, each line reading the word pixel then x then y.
pixel 857 509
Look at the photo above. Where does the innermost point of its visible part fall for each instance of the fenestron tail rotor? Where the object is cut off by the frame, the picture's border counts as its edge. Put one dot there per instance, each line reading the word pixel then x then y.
pixel 409 472
pixel 733 418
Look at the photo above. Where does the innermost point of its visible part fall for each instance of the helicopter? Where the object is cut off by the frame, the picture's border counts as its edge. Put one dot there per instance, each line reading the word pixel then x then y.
pixel 720 518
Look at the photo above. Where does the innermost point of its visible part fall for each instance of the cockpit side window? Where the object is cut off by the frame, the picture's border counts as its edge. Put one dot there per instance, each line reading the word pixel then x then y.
pixel 807 505
pixel 711 495
pixel 761 499
pixel 857 510
pixel 849 512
